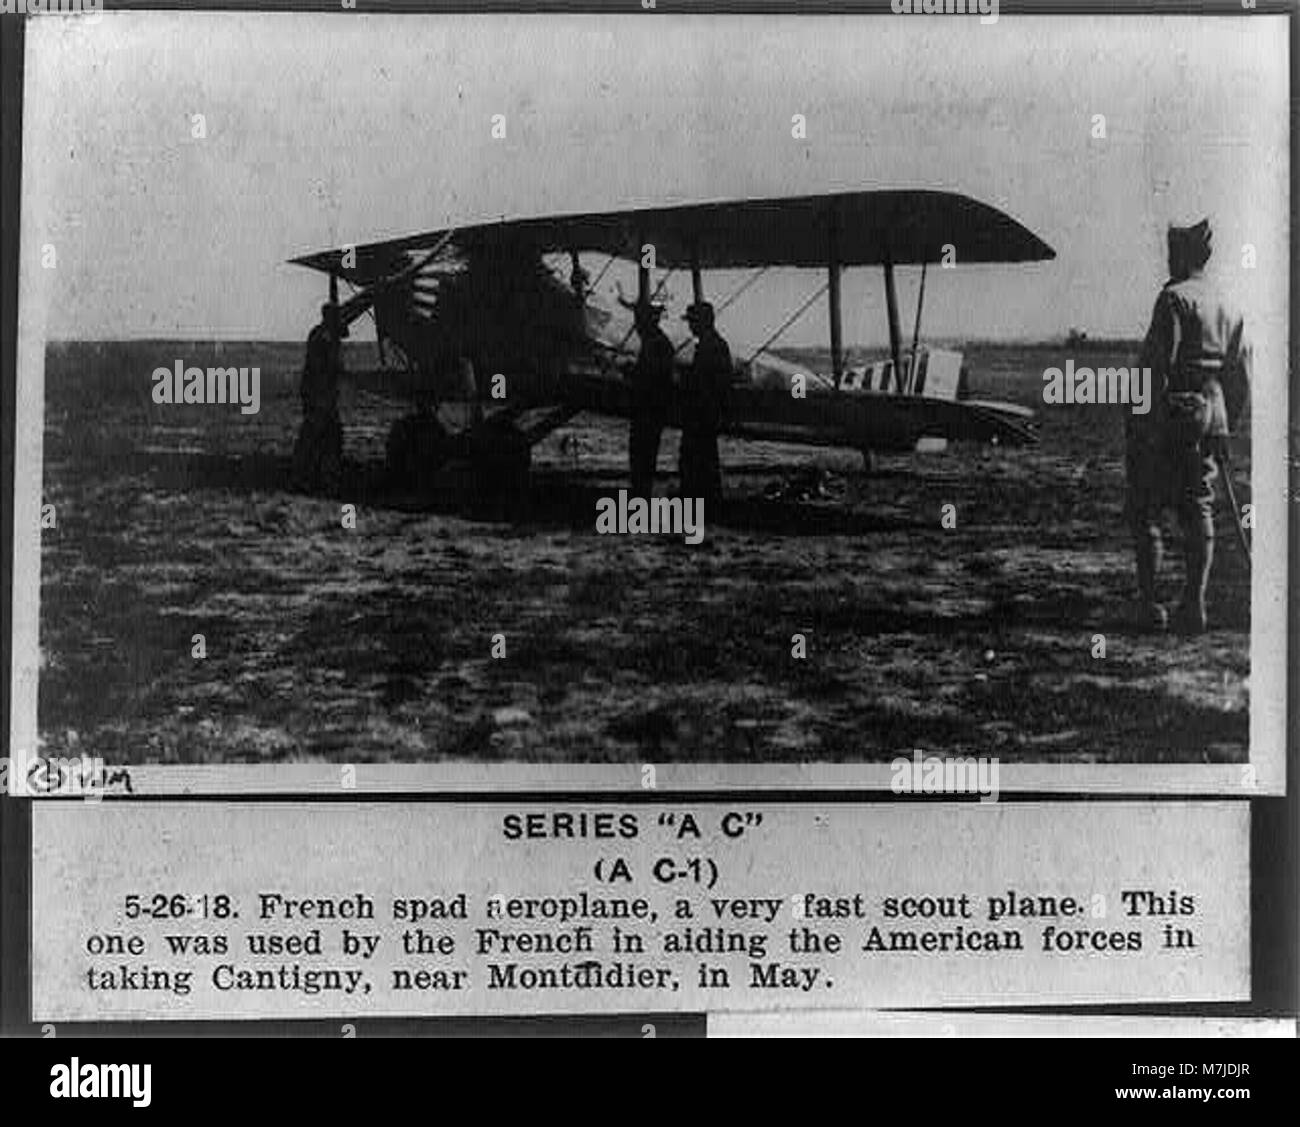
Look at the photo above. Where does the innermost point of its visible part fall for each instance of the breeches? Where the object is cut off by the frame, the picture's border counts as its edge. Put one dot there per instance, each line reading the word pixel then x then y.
pixel 1164 474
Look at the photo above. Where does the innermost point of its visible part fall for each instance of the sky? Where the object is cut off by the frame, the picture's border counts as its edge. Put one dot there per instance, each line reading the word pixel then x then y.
pixel 342 128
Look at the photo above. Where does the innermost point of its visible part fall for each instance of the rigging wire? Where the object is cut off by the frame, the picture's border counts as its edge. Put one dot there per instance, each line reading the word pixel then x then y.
pixel 730 300
pixel 788 322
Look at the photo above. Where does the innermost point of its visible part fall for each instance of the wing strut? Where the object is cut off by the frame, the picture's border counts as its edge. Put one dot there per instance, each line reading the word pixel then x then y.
pixel 916 330
pixel 895 331
pixel 833 284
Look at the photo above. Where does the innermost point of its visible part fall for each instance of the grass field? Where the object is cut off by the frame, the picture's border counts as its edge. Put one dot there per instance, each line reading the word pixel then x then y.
pixel 374 644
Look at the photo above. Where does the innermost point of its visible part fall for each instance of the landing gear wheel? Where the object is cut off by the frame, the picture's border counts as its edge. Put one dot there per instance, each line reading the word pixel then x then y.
pixel 318 454
pixel 502 460
pixel 418 447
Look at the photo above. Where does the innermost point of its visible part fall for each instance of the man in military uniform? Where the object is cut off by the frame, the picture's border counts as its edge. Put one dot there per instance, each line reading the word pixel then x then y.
pixel 704 388
pixel 652 384
pixel 1199 363
pixel 318 453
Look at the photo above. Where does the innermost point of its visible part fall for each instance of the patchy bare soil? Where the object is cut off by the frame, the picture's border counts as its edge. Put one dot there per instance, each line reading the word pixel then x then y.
pixel 326 643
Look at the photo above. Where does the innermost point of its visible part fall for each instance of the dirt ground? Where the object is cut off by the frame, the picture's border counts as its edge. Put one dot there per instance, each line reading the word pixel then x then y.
pixel 374 644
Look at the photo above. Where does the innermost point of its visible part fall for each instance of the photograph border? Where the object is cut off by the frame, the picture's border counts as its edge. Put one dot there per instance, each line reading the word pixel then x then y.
pixel 1270 680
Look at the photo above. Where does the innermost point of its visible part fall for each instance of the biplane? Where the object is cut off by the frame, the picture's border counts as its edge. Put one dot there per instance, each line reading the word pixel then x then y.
pixel 494 299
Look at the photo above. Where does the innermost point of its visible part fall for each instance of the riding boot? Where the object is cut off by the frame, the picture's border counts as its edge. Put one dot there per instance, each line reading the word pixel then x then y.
pixel 1149 550
pixel 1190 616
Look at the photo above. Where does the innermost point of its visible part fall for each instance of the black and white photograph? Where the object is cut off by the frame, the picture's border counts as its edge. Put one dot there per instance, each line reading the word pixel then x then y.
pixel 781 393
pixel 640 521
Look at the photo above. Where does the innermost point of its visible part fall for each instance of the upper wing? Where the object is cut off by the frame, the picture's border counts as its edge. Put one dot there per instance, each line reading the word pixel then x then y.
pixel 895 225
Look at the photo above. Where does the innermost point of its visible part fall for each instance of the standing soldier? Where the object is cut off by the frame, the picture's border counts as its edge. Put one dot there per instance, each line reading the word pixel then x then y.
pixel 318 453
pixel 1196 351
pixel 704 397
pixel 652 385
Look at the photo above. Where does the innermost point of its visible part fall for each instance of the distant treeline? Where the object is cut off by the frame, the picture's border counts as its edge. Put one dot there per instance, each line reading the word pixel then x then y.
pixel 820 358
pixel 122 355
pixel 1075 344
